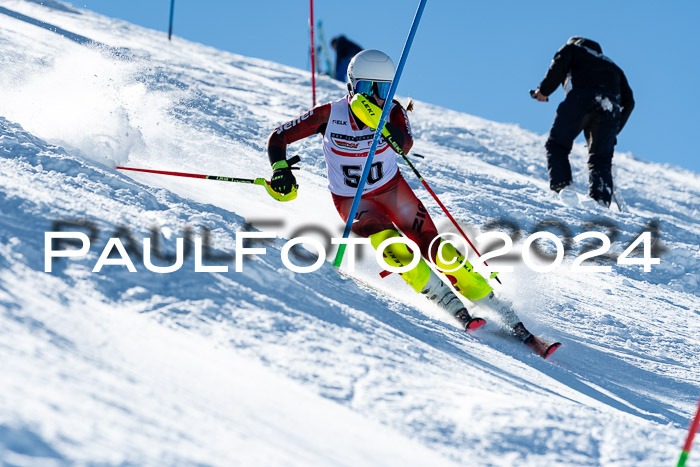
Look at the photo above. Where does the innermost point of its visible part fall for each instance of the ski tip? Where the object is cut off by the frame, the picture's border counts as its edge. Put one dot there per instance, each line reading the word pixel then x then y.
pixel 550 350
pixel 474 324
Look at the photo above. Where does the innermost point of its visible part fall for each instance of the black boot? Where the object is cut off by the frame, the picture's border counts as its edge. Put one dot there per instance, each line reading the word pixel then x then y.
pixel 522 333
pixel 440 293
pixel 467 321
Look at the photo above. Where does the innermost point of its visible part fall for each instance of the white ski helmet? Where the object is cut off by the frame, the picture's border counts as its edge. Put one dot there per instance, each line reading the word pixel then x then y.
pixel 371 65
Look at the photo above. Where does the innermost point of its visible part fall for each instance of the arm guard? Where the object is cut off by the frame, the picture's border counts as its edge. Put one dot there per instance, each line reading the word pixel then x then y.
pixel 396 131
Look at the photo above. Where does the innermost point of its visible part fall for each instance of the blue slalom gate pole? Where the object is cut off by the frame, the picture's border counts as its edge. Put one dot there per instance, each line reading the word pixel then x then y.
pixel 378 131
pixel 172 10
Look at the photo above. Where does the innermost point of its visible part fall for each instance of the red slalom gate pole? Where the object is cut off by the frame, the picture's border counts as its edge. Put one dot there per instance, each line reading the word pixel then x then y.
pixel 689 440
pixel 313 55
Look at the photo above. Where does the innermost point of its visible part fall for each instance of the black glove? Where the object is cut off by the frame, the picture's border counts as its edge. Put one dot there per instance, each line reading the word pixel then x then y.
pixel 283 180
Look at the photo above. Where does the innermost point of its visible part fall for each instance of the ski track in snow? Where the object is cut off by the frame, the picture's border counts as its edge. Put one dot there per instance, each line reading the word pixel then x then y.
pixel 268 367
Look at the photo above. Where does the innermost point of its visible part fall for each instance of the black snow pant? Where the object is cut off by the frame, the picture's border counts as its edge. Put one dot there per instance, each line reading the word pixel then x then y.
pixel 598 115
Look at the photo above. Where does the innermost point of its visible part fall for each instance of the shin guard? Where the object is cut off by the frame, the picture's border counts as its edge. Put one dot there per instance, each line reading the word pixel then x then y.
pixel 470 284
pixel 398 254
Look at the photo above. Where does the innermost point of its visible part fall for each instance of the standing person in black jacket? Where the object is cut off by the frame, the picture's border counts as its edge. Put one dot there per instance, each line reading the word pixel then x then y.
pixel 598 101
pixel 345 49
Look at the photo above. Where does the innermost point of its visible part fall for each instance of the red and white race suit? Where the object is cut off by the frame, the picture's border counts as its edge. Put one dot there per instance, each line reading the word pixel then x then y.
pixel 387 201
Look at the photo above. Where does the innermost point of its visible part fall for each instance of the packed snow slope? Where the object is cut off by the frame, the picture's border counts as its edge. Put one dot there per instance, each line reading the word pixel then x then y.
pixel 266 366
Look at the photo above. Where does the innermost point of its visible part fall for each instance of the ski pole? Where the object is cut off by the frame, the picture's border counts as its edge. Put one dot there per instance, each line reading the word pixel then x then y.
pixel 375 141
pixel 257 181
pixel 689 440
pixel 363 109
pixel 444 209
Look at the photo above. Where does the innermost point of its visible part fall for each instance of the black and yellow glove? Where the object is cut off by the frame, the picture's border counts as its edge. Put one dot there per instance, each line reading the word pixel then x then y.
pixel 283 180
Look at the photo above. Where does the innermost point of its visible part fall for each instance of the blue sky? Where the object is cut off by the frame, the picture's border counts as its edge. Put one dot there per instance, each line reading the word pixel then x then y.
pixel 477 57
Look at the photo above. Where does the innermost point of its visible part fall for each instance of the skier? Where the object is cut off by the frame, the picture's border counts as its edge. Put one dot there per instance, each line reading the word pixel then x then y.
pixel 388 205
pixel 598 101
pixel 345 49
